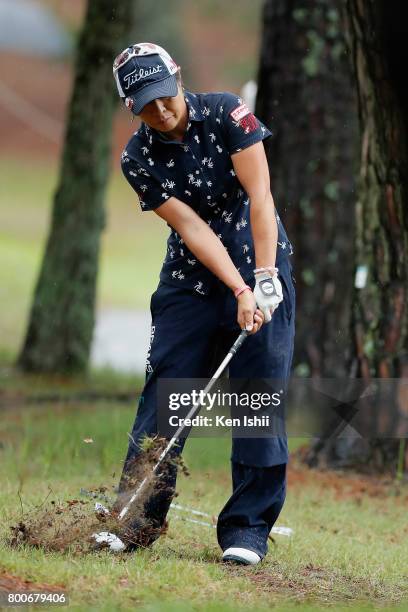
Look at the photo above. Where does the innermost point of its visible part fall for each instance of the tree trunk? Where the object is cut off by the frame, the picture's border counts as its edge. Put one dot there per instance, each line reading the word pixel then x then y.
pixel 305 95
pixel 380 321
pixel 61 321
pixel 377 32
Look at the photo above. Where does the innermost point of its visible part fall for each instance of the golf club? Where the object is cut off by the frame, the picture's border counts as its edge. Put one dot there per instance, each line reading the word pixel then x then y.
pixel 192 412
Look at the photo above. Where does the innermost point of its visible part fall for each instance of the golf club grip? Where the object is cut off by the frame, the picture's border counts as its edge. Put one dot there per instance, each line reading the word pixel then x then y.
pixel 239 341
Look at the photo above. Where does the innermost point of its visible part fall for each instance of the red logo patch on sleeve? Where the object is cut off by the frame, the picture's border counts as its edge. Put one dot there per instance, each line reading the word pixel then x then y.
pixel 249 123
pixel 240 112
pixel 245 119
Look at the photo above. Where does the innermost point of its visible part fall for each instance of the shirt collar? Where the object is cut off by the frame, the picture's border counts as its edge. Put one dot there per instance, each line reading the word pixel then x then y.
pixel 193 105
pixel 194 114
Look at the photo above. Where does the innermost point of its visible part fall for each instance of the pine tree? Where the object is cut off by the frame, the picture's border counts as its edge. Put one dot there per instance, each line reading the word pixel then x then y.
pixel 376 32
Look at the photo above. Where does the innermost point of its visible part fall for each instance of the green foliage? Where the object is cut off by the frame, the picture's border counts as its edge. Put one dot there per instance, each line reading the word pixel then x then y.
pixel 331 190
pixel 333 27
pixel 308 276
pixel 333 15
pixel 307 208
pixel 338 50
pixel 300 15
pixel 369 347
pixel 312 165
pixel 311 62
pixel 332 256
pixel 302 370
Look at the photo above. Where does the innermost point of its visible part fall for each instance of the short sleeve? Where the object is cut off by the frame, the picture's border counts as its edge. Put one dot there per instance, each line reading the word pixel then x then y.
pixel 148 188
pixel 241 128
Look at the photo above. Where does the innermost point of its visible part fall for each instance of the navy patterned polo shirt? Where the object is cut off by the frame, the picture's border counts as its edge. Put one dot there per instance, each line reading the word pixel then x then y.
pixel 199 172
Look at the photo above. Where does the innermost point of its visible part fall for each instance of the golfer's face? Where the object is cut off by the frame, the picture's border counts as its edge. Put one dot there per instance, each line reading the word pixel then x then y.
pixel 164 114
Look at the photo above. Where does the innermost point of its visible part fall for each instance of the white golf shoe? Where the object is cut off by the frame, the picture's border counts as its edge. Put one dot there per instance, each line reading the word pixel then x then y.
pixel 241 555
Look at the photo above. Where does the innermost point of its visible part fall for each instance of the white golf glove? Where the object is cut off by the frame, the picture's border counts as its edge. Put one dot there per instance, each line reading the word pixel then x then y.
pixel 268 293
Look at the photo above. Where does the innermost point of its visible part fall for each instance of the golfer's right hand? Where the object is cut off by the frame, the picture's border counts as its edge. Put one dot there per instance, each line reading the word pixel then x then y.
pixel 249 316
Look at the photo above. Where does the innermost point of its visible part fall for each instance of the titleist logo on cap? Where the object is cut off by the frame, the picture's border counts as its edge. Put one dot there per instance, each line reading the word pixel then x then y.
pixel 137 75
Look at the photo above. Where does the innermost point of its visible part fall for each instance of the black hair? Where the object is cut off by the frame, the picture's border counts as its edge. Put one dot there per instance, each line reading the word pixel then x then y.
pixel 179 78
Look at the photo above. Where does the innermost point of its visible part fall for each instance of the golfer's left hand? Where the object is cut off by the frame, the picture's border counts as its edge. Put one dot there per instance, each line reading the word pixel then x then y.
pixel 268 293
pixel 249 316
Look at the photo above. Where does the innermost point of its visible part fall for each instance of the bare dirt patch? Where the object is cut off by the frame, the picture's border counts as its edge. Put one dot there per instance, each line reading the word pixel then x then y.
pixel 10 583
pixel 345 485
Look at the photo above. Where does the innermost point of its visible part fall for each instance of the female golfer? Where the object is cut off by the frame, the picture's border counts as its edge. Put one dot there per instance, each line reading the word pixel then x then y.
pixel 198 162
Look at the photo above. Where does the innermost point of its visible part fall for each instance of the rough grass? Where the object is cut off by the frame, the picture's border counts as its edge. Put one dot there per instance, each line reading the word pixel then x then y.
pixel 348 549
pixel 132 240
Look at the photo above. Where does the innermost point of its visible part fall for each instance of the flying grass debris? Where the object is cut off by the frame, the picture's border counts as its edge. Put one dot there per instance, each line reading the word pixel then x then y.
pixel 71 525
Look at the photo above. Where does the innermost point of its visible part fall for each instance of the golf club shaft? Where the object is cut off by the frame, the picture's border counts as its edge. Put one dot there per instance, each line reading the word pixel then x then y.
pixel 192 412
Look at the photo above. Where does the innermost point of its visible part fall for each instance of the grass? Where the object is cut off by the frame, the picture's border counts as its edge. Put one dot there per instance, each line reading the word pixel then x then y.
pixel 103 381
pixel 132 248
pixel 348 551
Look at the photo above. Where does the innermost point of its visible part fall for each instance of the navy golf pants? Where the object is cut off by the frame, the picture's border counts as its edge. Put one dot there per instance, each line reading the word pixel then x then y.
pixel 188 329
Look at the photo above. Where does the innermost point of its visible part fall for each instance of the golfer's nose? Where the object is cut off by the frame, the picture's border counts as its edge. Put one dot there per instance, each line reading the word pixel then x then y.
pixel 159 106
